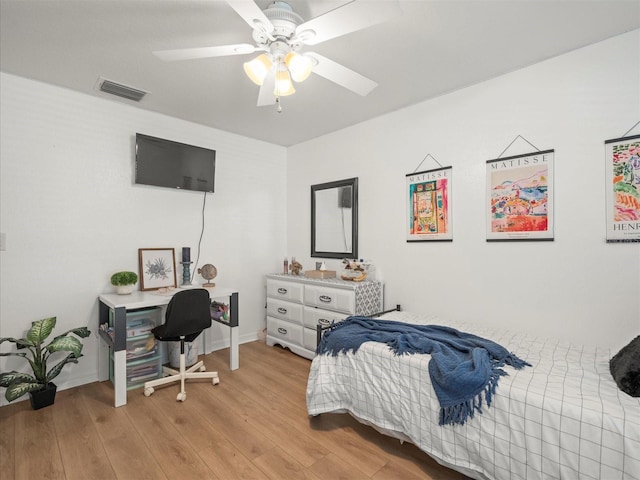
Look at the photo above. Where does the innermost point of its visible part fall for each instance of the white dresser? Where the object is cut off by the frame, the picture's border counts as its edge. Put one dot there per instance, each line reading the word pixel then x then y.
pixel 296 304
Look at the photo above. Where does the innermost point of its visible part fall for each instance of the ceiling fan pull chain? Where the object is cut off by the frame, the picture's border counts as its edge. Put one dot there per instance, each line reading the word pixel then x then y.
pixel 279 107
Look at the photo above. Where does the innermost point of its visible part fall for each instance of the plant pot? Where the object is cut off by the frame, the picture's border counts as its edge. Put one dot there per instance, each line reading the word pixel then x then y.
pixel 124 289
pixel 43 398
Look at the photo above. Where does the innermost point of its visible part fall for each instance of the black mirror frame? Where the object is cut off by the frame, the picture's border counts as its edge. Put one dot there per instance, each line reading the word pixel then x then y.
pixel 349 182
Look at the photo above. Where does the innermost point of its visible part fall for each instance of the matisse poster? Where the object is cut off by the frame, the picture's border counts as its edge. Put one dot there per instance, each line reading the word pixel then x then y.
pixel 623 189
pixel 428 199
pixel 520 197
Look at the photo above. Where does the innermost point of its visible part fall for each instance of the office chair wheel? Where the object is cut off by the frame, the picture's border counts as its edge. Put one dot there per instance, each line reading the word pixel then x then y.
pixel 215 381
pixel 182 396
pixel 203 368
pixel 148 391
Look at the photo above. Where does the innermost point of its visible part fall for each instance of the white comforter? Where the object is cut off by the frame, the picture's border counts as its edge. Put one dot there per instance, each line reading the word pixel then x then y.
pixel 563 418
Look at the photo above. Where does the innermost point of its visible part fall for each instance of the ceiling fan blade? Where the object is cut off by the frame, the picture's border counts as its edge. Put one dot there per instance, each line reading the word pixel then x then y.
pixel 251 13
pixel 341 75
pixel 266 96
pixel 346 19
pixel 205 52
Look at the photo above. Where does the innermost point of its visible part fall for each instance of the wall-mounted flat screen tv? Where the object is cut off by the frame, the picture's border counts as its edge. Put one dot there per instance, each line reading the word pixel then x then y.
pixel 165 163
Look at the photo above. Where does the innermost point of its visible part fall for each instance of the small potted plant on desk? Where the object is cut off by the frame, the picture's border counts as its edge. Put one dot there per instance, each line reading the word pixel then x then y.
pixel 124 282
pixel 39 386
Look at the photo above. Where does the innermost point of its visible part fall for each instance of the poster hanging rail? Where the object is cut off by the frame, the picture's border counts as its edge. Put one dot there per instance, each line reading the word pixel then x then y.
pixel 425 157
pixel 625 133
pixel 513 141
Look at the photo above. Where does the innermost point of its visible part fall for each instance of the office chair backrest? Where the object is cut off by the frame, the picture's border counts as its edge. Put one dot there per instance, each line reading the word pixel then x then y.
pixel 188 312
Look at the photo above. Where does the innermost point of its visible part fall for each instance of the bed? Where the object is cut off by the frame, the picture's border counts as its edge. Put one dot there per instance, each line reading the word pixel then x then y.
pixel 562 418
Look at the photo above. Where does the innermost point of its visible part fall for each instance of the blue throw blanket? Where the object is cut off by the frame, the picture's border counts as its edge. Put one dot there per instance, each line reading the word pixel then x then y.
pixel 463 368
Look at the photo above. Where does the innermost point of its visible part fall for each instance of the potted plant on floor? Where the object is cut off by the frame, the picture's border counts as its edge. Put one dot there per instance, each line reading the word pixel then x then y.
pixel 39 386
pixel 124 282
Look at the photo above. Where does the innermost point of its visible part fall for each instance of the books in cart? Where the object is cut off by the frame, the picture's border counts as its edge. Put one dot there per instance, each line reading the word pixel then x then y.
pixel 141 327
pixel 142 372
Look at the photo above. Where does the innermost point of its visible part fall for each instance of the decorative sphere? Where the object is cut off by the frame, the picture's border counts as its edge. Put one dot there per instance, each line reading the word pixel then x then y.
pixel 208 272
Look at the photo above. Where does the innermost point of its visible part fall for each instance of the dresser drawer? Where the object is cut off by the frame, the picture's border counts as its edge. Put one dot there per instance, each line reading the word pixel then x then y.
pixel 289 291
pixel 284 310
pixel 330 298
pixel 315 316
pixel 284 330
pixel 309 339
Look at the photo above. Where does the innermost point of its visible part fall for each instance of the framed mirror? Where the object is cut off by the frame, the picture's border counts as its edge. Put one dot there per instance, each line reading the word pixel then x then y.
pixel 334 219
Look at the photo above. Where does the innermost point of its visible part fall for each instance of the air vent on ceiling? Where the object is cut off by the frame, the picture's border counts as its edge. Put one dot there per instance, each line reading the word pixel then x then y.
pixel 120 90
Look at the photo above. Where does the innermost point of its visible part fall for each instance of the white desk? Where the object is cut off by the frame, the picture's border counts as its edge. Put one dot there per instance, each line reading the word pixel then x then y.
pixel 119 304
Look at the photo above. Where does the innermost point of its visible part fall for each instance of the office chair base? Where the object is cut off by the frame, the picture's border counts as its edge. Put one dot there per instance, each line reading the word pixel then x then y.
pixel 198 370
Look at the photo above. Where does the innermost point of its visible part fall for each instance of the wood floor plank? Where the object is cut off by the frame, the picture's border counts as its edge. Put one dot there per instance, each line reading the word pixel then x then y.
pixel 8 439
pixel 345 443
pixel 228 462
pixel 36 445
pixel 82 451
pixel 248 440
pixel 191 417
pixel 295 442
pixel 392 471
pixel 166 442
pixel 193 421
pixel 279 465
pixel 337 468
pixel 123 444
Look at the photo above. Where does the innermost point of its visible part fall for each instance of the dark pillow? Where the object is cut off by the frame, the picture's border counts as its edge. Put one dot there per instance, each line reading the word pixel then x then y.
pixel 625 368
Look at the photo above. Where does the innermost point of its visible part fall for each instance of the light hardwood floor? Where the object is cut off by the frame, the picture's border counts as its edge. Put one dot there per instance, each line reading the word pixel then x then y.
pixel 253 425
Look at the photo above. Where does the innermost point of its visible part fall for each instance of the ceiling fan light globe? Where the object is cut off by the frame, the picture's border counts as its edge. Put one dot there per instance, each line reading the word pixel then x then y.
pixel 258 68
pixel 299 66
pixel 284 85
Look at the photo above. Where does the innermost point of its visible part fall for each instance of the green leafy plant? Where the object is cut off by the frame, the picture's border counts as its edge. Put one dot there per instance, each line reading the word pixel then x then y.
pixel 37 354
pixel 120 279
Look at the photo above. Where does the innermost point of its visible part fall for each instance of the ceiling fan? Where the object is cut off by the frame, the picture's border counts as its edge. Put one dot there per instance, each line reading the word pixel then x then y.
pixel 280 34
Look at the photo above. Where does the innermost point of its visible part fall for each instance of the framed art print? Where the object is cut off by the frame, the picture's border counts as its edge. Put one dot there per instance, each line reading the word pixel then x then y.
pixel 428 199
pixel 157 268
pixel 520 197
pixel 623 189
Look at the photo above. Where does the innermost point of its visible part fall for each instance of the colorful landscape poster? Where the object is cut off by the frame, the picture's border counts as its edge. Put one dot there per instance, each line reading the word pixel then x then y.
pixel 623 189
pixel 520 197
pixel 428 198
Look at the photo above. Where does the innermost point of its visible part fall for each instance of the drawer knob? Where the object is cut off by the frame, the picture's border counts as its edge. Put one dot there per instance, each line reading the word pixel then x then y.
pixel 282 291
pixel 281 330
pixel 282 310
pixel 325 298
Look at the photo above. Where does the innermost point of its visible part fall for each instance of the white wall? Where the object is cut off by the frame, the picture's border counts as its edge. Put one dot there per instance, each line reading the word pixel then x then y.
pixel 577 287
pixel 72 216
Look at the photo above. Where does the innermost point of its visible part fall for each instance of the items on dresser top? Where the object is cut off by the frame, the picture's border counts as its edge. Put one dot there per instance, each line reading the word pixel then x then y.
pixel 296 305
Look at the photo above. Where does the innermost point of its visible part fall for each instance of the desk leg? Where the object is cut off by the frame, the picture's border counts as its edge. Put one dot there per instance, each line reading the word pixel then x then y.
pixel 120 377
pixel 234 353
pixel 103 360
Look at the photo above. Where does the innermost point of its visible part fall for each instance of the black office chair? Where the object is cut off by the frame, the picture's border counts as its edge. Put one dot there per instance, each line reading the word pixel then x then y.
pixel 188 314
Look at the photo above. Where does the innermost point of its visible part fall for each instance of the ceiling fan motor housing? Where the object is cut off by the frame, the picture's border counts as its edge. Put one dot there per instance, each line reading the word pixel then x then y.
pixel 283 18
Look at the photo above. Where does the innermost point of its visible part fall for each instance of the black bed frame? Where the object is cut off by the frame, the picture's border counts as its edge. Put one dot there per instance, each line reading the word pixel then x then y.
pixel 321 328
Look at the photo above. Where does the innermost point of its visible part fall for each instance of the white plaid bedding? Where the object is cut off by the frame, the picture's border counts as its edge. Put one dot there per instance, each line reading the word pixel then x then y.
pixel 563 418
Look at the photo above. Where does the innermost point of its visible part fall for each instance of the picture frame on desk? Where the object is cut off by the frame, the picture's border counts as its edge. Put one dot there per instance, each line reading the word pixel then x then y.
pixel 157 268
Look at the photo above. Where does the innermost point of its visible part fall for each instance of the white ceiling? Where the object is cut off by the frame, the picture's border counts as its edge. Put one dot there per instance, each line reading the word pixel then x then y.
pixel 433 48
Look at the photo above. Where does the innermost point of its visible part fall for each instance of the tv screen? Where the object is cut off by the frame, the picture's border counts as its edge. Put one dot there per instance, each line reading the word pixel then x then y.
pixel 164 163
